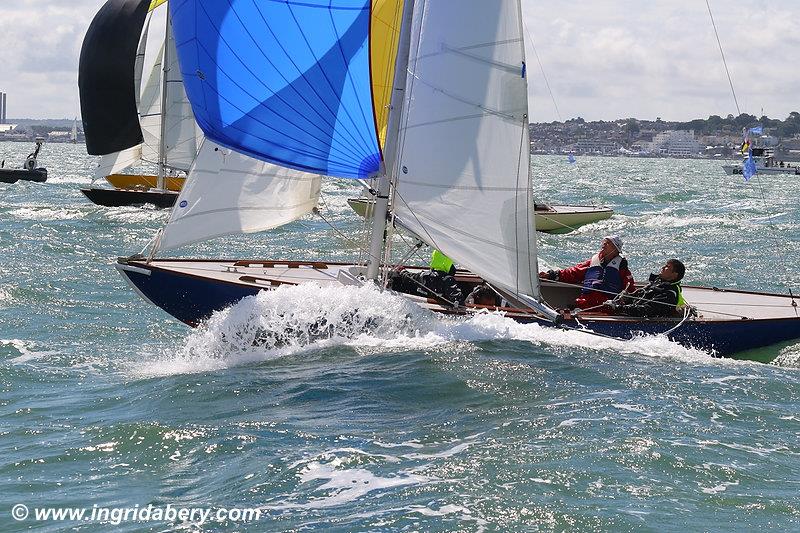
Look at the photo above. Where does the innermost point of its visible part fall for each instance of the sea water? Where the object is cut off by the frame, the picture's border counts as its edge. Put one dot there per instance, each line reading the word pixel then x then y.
pixel 401 420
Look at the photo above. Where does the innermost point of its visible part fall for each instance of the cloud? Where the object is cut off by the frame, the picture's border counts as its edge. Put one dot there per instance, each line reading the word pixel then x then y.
pixel 41 44
pixel 604 59
pixel 648 59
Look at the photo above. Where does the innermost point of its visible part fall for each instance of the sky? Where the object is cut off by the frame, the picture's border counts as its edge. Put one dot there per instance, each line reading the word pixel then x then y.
pixel 603 59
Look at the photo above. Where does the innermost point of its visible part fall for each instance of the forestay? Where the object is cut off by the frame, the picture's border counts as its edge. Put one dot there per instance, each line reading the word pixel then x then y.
pixel 462 176
pixel 228 193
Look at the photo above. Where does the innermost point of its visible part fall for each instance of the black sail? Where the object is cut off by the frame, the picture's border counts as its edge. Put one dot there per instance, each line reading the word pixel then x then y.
pixel 106 77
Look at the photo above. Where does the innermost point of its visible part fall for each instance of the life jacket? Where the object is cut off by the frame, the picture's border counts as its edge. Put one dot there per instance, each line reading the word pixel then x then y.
pixel 681 302
pixel 441 262
pixel 609 275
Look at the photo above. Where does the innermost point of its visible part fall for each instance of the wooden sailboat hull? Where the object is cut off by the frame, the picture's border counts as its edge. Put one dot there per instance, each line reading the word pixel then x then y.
pixel 13 175
pixel 192 290
pixel 142 181
pixel 129 197
pixel 547 217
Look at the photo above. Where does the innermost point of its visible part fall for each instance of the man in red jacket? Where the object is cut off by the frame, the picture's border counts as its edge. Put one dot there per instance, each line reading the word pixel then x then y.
pixel 601 277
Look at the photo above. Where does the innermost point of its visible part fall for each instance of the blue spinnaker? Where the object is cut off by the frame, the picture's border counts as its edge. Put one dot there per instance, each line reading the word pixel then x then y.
pixel 749 166
pixel 286 81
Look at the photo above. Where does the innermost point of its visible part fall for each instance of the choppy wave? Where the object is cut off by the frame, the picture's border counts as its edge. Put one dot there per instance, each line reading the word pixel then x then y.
pixel 27 350
pixel 296 319
pixel 46 213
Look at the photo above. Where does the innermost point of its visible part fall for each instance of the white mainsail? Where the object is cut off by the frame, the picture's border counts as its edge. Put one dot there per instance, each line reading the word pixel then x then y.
pixel 154 41
pixel 462 175
pixel 228 193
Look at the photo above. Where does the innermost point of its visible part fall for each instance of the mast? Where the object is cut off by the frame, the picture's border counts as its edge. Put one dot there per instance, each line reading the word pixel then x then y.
pixel 378 237
pixel 162 142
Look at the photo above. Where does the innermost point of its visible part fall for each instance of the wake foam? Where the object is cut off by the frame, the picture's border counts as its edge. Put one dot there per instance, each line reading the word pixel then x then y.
pixel 295 319
pixel 26 349
pixel 788 357
pixel 291 320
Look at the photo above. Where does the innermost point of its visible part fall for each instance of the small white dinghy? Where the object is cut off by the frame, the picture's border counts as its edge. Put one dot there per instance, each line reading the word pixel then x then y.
pixel 549 218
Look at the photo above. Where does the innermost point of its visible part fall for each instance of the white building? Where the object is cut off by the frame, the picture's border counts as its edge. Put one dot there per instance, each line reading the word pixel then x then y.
pixel 674 142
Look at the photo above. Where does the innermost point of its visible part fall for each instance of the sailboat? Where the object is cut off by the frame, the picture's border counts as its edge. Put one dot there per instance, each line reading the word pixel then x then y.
pixel 433 114
pixel 548 218
pixel 73 135
pixel 136 36
pixel 29 171
pixel 765 164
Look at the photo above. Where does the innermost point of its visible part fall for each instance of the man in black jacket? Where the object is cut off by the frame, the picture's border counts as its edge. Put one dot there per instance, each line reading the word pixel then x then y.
pixel 660 297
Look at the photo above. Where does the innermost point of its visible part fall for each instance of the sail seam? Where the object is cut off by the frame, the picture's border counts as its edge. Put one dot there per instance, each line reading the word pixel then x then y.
pixel 355 152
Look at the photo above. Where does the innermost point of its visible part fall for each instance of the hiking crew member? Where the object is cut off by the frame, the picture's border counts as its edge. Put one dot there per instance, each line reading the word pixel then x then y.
pixel 660 297
pixel 604 275
pixel 436 282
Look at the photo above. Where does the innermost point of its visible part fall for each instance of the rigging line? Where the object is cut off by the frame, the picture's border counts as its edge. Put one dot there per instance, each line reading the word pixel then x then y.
pixel 774 234
pixel 760 188
pixel 541 68
pixel 344 236
pixel 413 249
pixel 528 195
pixel 640 299
pixel 686 313
pixel 722 53
pixel 421 225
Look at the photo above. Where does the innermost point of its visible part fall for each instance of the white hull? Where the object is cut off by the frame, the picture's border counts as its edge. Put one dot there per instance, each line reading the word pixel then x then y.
pixel 548 218
pixel 737 170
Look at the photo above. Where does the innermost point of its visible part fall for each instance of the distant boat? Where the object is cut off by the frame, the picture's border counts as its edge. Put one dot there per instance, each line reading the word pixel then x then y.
pixel 137 119
pixel 144 181
pixel 548 218
pixel 29 171
pixel 73 136
pixel 765 164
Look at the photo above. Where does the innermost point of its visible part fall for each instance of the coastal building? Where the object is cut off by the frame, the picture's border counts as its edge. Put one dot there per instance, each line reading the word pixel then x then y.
pixel 2 108
pixel 596 146
pixel 674 143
